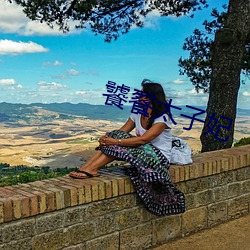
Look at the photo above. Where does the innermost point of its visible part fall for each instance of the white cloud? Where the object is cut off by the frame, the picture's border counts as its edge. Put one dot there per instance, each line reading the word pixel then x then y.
pixel 51 86
pixel 13 20
pixel 73 72
pixel 55 63
pixel 178 81
pixel 7 82
pixel 15 48
pixel 246 93
pixel 80 92
pixel 19 86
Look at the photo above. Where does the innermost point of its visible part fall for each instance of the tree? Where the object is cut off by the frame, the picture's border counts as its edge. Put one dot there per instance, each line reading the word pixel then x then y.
pixel 113 17
pixel 199 68
pixel 108 17
pixel 227 58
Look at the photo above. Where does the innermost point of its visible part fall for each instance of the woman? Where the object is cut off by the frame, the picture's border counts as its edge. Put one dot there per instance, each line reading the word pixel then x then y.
pixel 148 153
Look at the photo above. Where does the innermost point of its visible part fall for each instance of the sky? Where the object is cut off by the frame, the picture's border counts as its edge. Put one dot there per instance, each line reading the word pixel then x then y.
pixel 40 64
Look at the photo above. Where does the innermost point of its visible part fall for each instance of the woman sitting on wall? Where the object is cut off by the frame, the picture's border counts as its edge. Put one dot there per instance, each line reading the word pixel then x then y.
pixel 148 153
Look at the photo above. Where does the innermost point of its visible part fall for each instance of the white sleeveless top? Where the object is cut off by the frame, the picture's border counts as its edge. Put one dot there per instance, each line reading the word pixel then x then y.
pixel 162 141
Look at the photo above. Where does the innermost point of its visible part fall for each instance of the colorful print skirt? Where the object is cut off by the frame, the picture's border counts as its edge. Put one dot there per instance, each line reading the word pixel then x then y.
pixel 149 173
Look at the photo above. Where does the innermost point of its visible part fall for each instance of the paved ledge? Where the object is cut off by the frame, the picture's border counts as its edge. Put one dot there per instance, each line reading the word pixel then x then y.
pixel 39 197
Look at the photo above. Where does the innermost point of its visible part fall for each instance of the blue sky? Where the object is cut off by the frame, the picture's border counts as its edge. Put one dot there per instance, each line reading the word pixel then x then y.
pixel 38 64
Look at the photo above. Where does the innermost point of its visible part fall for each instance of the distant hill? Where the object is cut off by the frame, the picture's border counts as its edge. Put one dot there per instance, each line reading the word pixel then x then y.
pixel 10 112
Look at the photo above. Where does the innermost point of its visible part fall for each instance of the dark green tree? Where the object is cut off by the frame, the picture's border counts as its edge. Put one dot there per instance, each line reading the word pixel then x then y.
pixel 112 18
pixel 108 17
pixel 199 67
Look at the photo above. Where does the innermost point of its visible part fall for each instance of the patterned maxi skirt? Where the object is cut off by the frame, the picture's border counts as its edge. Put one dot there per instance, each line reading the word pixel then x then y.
pixel 149 173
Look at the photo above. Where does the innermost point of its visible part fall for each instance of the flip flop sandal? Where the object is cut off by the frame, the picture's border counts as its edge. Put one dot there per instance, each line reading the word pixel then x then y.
pixel 87 175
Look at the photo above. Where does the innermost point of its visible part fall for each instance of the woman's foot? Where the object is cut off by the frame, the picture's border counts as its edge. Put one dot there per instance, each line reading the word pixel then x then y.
pixel 83 173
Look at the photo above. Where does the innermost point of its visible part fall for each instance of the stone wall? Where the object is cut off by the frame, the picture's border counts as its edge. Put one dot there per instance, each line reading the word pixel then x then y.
pixel 105 212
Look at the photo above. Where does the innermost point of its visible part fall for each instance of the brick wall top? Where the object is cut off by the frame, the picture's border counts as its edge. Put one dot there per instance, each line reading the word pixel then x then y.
pixel 25 200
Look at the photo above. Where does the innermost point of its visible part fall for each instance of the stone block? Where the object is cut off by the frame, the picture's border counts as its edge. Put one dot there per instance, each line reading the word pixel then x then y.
pixel 194 220
pixel 247 172
pixel 234 189
pixel 80 233
pixel 238 206
pixel 24 244
pixel 53 240
pixel 166 228
pixel 76 247
pixel 204 198
pixel 181 186
pixel 245 186
pixel 190 202
pixel 18 230
pixel 217 213
pixel 131 217
pixel 105 224
pixel 240 174
pixel 107 242
pixel 136 238
pixel 99 208
pixel 1 235
pixel 49 222
pixel 196 185
pixel 74 215
pixel 220 193
pixel 225 178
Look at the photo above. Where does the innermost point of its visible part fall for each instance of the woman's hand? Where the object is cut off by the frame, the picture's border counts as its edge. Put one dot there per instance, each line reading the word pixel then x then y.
pixel 107 141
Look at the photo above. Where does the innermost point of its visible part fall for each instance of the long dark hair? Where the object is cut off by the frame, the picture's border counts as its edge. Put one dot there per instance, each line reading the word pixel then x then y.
pixel 158 101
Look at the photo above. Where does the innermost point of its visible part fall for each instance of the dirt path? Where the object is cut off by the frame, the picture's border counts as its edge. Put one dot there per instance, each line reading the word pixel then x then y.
pixel 233 235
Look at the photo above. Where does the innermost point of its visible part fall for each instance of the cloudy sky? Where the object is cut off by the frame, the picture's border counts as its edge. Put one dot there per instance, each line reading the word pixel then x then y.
pixel 38 64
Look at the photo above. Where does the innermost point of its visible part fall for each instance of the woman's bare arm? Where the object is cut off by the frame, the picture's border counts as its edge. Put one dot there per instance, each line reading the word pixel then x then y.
pixel 135 141
pixel 128 126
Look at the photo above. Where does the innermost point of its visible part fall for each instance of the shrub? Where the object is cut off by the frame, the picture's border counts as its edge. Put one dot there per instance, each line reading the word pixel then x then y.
pixel 242 142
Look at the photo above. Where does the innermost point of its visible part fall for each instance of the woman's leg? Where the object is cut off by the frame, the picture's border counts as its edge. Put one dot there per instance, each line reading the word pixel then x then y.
pixel 98 160
pixel 92 159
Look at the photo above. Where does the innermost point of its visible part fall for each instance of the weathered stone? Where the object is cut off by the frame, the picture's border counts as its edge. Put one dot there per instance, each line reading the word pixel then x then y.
pixel 204 198
pixel 99 208
pixel 129 217
pixel 53 240
pixel 196 185
pixel 190 203
pixel 247 172
pixel 76 247
pixel 74 215
pixel 107 242
pixel 1 235
pixel 182 186
pixel 220 193
pixel 238 206
pixel 80 233
pixel 240 174
pixel 139 237
pixel 49 222
pixel 105 224
pixel 194 220
pixel 217 213
pixel 225 178
pixel 24 244
pixel 245 186
pixel 18 230
pixel 166 228
pixel 234 189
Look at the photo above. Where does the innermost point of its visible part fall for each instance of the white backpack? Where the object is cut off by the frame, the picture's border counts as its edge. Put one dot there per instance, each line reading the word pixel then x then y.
pixel 180 152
